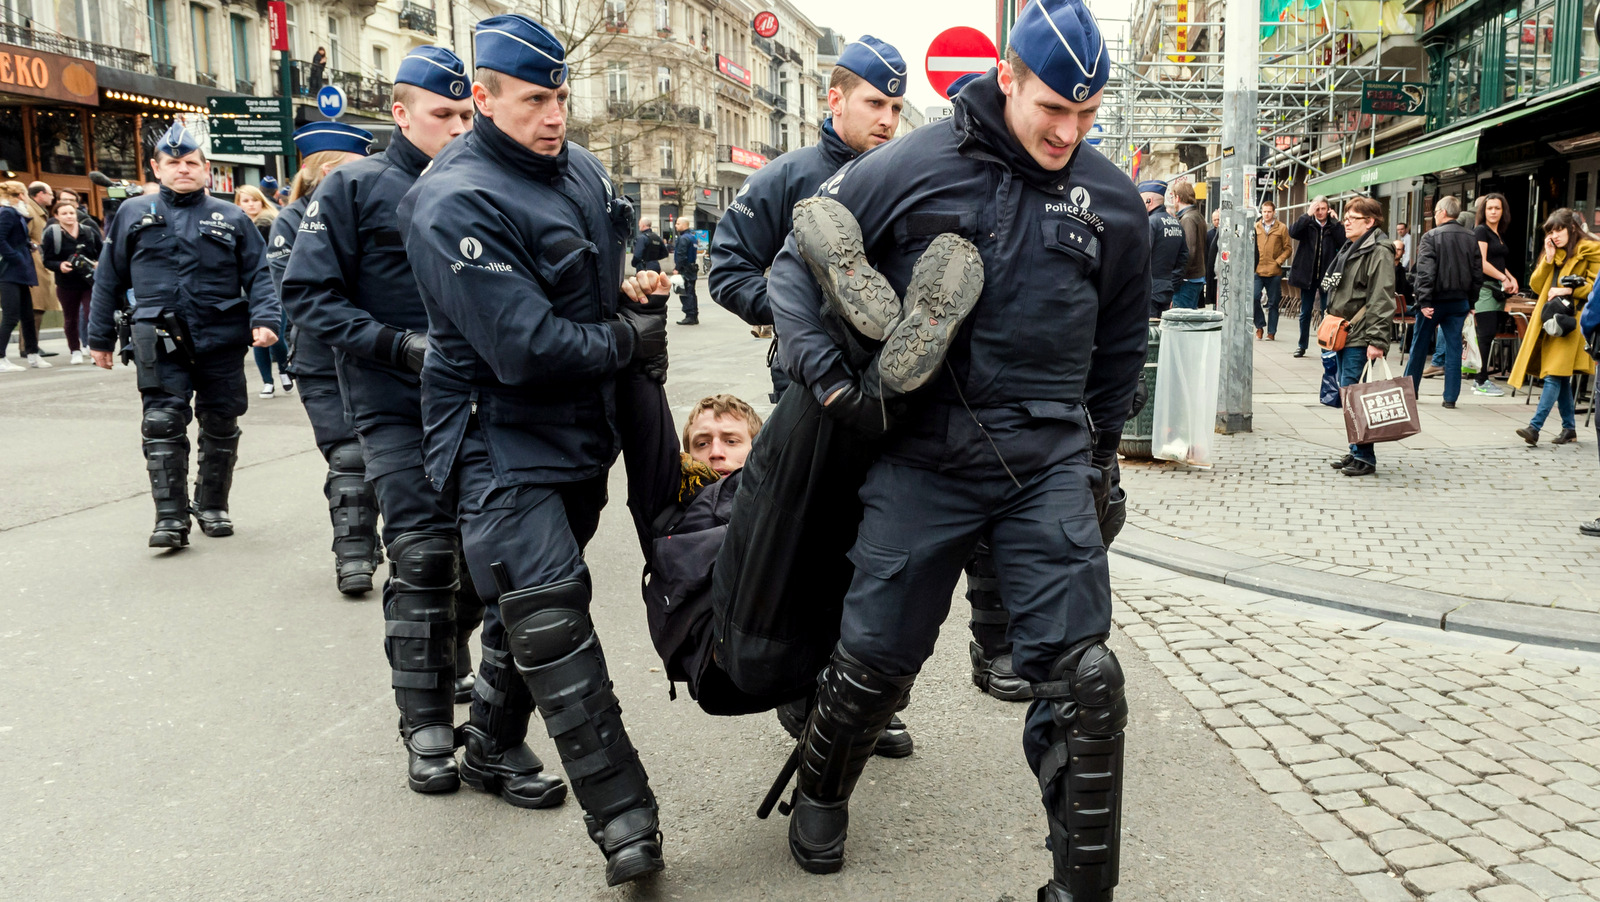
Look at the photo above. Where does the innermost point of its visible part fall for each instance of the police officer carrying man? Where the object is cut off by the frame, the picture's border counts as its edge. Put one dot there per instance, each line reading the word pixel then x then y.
pixel 350 286
pixel 1016 436
pixel 518 239
pixel 352 504
pixel 866 92
pixel 199 275
pixel 1169 250
pixel 685 262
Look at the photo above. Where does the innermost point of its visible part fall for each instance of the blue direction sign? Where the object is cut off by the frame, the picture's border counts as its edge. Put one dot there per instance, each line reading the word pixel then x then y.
pixel 1096 135
pixel 331 101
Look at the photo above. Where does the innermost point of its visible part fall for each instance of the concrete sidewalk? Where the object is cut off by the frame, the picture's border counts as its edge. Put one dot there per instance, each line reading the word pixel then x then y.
pixel 1465 525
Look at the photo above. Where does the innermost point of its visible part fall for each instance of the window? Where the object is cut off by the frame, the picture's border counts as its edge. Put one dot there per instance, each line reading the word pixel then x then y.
pixel 617 82
pixel 60 136
pixel 663 16
pixel 1463 70
pixel 620 165
pixel 334 57
pixel 1530 39
pixel 116 145
pixel 667 152
pixel 200 33
pixel 89 20
pixel 616 15
pixel 783 137
pixel 17 13
pixel 380 60
pixel 664 80
pixel 292 29
pixel 1589 53
pixel 239 27
pixel 13 152
pixel 160 50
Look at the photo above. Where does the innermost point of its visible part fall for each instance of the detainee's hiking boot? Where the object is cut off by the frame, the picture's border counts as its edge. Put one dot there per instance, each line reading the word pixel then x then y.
pixel 830 242
pixel 945 285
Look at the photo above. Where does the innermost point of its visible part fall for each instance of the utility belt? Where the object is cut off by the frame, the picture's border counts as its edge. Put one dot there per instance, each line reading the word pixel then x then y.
pixel 166 337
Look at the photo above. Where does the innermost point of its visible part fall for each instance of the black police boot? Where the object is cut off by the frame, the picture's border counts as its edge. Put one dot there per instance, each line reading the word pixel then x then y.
pixel 558 654
pixel 166 454
pixel 419 609
pixel 353 508
pixel 895 742
pixel 945 284
pixel 689 319
pixel 989 650
pixel 1081 772
pixel 829 240
pixel 495 759
pixel 854 705
pixel 219 449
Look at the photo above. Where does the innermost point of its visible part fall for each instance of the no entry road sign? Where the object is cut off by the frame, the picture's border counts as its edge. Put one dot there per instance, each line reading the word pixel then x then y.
pixel 956 52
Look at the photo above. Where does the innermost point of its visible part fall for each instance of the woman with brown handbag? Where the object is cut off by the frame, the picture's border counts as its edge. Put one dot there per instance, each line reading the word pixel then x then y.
pixel 1555 349
pixel 1360 290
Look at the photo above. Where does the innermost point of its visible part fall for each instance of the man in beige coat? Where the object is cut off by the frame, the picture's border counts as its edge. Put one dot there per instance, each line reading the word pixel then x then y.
pixel 1272 252
pixel 40 199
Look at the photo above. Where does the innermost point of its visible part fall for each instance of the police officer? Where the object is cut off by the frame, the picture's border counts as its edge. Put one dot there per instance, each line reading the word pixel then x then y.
pixel 1016 436
pixel 685 262
pixel 1169 251
pixel 866 92
pixel 199 276
pixel 518 238
pixel 349 285
pixel 352 504
pixel 649 249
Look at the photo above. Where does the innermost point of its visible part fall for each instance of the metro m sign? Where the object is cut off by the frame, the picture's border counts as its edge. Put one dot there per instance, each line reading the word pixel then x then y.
pixel 278 23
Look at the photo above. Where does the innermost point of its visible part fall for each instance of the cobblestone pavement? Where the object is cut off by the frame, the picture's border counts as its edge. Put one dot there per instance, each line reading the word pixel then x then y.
pixel 1427 765
pixel 1465 508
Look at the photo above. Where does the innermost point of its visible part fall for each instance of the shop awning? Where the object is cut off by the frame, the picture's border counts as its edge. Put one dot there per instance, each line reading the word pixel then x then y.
pixel 1451 151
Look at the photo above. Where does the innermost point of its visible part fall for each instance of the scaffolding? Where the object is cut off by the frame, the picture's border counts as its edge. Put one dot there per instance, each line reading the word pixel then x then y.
pixel 1167 85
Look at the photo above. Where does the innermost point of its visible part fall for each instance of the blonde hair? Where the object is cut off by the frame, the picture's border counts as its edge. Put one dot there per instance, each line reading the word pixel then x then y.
pixel 13 190
pixel 310 174
pixel 267 209
pixel 722 406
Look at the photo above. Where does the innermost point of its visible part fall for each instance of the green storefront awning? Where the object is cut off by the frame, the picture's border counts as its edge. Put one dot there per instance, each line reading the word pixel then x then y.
pixel 1448 152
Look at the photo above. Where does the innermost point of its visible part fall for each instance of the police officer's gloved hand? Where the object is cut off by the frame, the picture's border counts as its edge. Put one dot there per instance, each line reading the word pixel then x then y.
pixel 648 325
pixel 413 350
pixel 859 412
pixel 1110 502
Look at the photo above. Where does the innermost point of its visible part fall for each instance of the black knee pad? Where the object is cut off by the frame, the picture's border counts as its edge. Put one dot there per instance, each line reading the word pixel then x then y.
pixel 217 425
pixel 345 458
pixel 162 423
pixel 546 623
pixel 1089 690
pixel 424 562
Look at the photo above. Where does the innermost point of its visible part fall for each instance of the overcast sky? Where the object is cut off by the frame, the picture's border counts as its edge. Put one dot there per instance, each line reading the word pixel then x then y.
pixel 911 25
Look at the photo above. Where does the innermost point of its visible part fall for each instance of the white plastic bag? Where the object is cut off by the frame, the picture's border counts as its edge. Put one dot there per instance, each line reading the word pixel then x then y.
pixel 1187 376
pixel 1471 360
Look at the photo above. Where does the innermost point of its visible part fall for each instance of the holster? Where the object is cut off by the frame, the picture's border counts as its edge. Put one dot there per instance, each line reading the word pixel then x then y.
pixel 125 334
pixel 146 342
pixel 175 340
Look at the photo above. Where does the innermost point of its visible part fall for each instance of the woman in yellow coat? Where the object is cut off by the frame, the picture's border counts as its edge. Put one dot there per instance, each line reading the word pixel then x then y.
pixel 1568 251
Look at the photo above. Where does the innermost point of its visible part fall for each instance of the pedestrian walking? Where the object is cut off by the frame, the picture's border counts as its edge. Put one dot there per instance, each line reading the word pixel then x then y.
pixel 1187 292
pixel 71 249
pixel 649 248
pixel 1359 286
pixel 1489 308
pixel 41 197
pixel 525 345
pixel 1213 245
pixel 1564 277
pixel 352 501
pixel 350 285
pixel 1447 277
pixel 1169 250
pixel 685 262
pixel 1000 441
pixel 1402 240
pixel 198 272
pixel 17 278
pixel 254 204
pixel 1318 237
pixel 1272 252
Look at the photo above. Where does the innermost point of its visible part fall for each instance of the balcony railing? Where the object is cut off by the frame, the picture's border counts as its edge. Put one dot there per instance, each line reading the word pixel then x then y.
pixel 244 86
pixel 771 98
pixel 166 70
pixel 416 17
pixel 103 54
pixel 768 151
pixel 364 92
pixel 205 79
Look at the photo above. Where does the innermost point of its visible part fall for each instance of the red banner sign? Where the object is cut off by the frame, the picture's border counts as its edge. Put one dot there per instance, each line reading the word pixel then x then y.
pixel 733 70
pixel 278 24
pixel 747 157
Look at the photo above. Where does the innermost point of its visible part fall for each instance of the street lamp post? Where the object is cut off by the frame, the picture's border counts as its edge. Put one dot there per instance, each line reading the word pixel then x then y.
pixel 1235 270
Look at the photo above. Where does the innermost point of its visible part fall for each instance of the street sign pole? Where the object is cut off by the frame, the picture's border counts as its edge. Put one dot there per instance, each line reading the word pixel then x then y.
pixel 286 85
pixel 1235 272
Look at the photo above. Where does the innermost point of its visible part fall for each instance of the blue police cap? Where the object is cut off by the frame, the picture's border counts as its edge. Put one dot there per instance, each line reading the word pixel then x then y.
pixel 1153 187
pixel 269 185
pixel 956 86
pixel 320 136
pixel 178 141
pixel 435 69
pixel 1060 41
pixel 877 62
pixel 521 48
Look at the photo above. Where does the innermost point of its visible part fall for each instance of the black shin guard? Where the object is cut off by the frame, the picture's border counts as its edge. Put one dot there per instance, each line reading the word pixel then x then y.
pixel 990 650
pixel 854 705
pixel 219 450
pixel 495 759
pixel 558 654
pixel 353 509
pixel 166 454
pixel 419 609
pixel 1081 773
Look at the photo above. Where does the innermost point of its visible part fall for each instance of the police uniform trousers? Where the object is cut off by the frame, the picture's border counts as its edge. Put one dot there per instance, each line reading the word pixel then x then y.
pixel 215 385
pixel 352 501
pixel 691 302
pixel 325 408
pixel 918 529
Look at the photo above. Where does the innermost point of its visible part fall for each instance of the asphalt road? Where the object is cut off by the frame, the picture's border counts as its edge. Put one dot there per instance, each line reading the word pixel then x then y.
pixel 216 723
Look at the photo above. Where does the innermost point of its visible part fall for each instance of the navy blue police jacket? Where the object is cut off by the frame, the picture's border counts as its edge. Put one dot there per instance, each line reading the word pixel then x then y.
pixel 1049 359
pixel 192 254
pixel 1169 254
pixel 686 254
pixel 752 231
pixel 641 246
pixel 307 356
pixel 350 286
pixel 519 257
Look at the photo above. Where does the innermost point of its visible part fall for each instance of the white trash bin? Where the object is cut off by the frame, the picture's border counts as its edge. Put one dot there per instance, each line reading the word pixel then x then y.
pixel 1185 426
